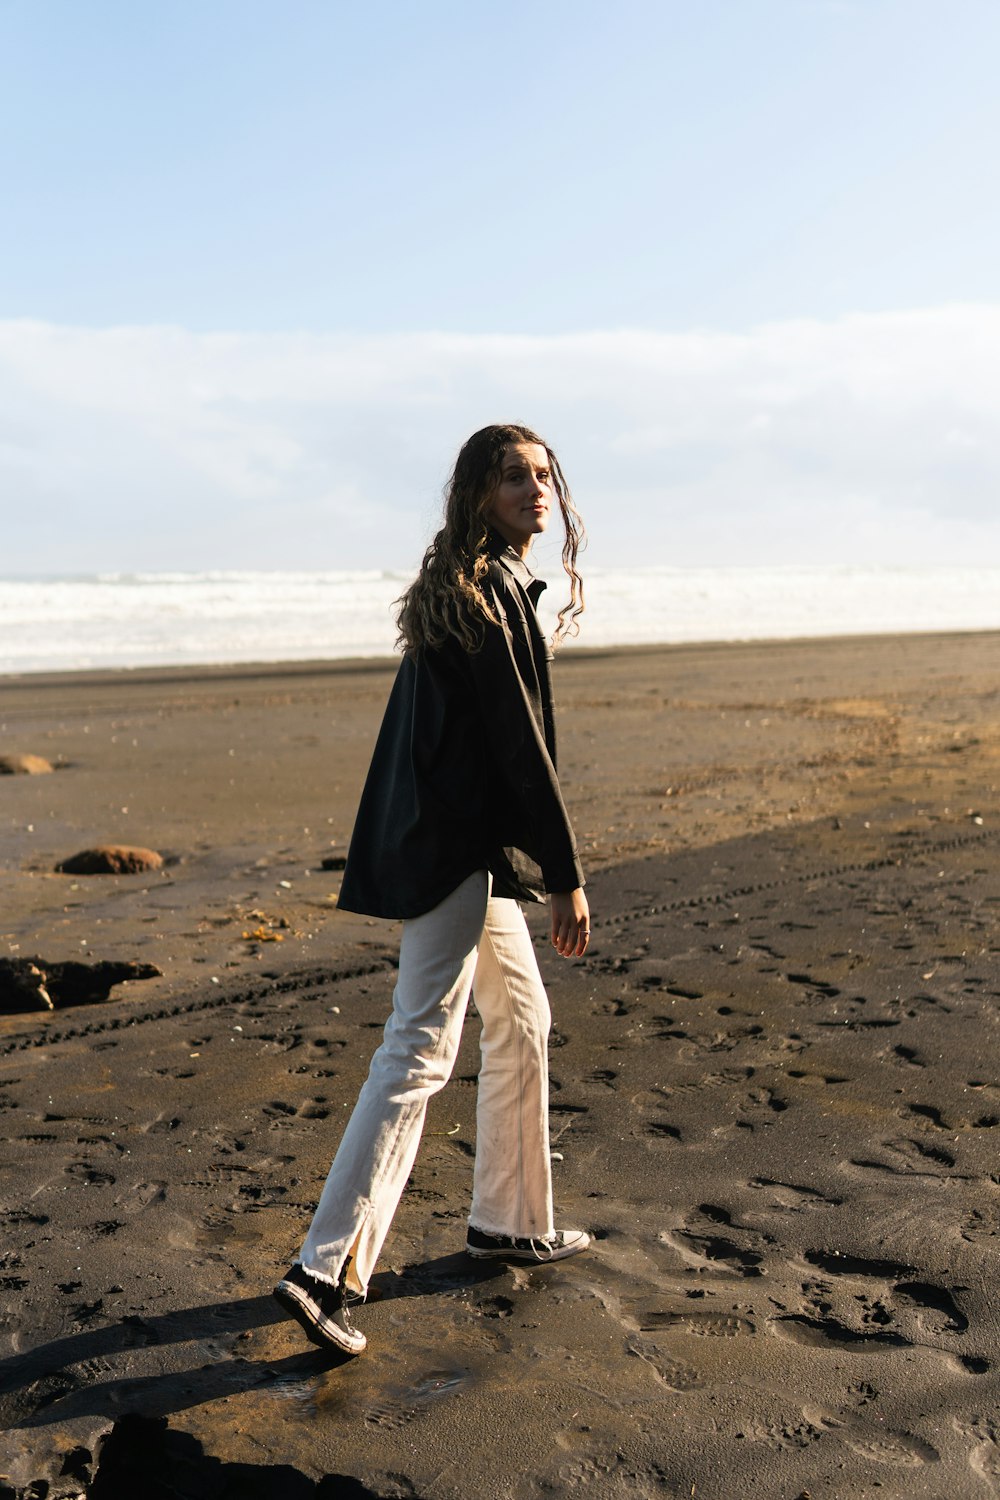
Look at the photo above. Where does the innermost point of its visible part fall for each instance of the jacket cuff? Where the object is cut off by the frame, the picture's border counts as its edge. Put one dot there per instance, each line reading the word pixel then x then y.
pixel 563 877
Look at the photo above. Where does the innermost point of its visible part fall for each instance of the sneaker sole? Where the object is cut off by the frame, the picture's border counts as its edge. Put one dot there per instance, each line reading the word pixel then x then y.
pixel 318 1330
pixel 525 1256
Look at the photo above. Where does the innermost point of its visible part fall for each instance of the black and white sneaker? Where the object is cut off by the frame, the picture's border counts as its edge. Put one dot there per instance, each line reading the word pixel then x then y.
pixel 483 1246
pixel 320 1308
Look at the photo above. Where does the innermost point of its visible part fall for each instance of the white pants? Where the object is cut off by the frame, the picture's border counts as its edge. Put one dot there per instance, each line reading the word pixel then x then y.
pixel 470 940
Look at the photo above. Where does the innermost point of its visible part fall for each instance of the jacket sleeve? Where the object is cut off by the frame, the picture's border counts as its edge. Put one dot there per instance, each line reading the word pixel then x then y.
pixel 509 699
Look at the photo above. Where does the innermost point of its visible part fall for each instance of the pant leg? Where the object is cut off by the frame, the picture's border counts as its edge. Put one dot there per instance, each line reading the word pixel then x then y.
pixel 437 960
pixel 512 1186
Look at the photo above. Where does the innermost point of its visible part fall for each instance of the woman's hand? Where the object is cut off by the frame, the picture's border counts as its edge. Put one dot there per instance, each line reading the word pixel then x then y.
pixel 570 922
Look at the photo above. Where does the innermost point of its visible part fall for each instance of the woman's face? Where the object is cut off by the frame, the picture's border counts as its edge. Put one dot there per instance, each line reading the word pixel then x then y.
pixel 522 500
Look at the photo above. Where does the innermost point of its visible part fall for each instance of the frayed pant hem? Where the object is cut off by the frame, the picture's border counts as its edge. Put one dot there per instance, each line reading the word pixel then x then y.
pixel 320 1275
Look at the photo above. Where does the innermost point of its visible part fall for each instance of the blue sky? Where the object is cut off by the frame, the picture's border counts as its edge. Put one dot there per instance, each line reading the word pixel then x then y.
pixel 761 204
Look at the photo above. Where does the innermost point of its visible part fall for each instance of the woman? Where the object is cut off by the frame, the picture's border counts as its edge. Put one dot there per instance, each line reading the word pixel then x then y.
pixel 461 818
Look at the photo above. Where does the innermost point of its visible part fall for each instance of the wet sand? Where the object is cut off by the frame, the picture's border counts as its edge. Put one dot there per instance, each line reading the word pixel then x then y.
pixel 776 1096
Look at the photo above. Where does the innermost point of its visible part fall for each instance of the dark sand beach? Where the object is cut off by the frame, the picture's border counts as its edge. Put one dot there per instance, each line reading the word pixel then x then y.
pixel 776 1096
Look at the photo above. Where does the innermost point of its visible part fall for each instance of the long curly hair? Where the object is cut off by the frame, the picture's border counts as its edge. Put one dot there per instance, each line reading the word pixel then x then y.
pixel 447 597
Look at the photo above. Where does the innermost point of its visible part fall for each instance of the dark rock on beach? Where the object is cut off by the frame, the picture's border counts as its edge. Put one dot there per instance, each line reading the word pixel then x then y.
pixel 111 859
pixel 25 765
pixel 34 984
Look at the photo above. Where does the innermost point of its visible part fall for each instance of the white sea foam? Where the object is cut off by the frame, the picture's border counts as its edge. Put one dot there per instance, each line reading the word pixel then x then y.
pixel 149 619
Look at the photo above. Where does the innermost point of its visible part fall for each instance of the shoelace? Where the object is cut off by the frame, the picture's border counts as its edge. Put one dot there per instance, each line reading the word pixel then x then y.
pixel 549 1248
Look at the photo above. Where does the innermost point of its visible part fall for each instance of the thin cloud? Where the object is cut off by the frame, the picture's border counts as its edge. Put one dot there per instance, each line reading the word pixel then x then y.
pixel 872 438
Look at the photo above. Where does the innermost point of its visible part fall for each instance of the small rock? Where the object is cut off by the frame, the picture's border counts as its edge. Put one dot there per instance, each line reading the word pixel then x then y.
pixel 111 859
pixel 334 862
pixel 25 765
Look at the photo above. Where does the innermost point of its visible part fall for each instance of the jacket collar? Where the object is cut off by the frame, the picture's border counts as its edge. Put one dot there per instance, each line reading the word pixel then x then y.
pixel 500 549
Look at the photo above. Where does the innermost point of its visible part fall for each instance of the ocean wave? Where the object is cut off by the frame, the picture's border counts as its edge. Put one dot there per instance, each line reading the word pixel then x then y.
pixel 217 616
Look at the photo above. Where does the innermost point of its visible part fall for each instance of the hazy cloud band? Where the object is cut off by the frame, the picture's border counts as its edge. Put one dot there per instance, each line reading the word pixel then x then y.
pixel 874 438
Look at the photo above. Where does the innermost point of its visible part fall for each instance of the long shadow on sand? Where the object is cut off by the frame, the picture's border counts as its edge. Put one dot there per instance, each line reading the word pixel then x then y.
pixel 55 1381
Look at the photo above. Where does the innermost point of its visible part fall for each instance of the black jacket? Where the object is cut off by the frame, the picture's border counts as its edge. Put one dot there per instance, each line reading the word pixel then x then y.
pixel 463 776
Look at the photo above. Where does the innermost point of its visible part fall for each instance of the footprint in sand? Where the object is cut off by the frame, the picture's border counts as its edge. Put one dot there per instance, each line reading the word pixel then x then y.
pixel 920 1153
pixel 783 1436
pixel 88 1174
pixel 588 1471
pixel 791 1197
pixel 702 1324
pixel 674 1373
pixel 938 1312
pixel 495 1307
pixel 388 1415
pixel 427 1391
pixel 281 1113
pixel 605 1076
pixel 984 1459
pixel 829 1332
pixel 899 1449
pixel 901 1313
pixel 699 1242
pixel 104 1228
pixel 839 1263
pixel 142 1194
